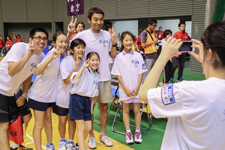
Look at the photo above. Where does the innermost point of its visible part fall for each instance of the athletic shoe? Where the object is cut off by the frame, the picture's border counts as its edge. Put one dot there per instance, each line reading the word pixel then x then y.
pixel 50 147
pixel 70 146
pixel 104 139
pixel 181 79
pixel 171 80
pixel 77 147
pixel 92 142
pixel 62 144
pixel 20 146
pixel 138 139
pixel 129 138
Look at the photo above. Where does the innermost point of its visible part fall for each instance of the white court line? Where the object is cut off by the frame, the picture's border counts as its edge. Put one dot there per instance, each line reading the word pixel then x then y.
pixel 43 147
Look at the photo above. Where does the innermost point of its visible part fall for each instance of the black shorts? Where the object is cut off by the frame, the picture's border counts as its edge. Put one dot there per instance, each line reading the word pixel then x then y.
pixel 10 101
pixel 39 105
pixel 60 111
pixel 80 108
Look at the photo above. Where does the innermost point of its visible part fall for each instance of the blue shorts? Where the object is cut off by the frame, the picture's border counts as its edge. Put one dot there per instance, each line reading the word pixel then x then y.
pixel 39 105
pixel 80 108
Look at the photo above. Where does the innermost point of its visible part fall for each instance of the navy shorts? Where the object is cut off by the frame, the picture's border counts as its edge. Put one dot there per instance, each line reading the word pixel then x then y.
pixel 80 108
pixel 8 103
pixel 60 111
pixel 39 105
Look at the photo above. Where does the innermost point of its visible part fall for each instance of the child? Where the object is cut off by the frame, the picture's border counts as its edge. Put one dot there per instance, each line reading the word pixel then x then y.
pixel 68 65
pixel 129 67
pixel 85 88
pixel 42 94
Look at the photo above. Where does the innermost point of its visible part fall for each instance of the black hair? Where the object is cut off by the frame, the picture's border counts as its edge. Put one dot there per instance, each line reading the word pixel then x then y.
pixel 122 37
pixel 160 27
pixel 77 42
pixel 80 23
pixel 94 10
pixel 107 26
pixel 151 21
pixel 37 29
pixel 167 32
pixel 90 54
pixel 214 38
pixel 181 24
pixel 18 36
pixel 9 37
pixel 55 36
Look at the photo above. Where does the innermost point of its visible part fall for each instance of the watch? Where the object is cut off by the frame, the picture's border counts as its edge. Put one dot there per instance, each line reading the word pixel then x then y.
pixel 24 95
pixel 114 45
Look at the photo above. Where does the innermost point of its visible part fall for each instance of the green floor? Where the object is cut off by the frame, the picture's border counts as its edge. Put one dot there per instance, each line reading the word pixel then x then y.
pixel 151 139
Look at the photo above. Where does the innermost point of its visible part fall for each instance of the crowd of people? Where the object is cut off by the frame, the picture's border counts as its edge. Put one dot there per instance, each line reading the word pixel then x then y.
pixel 71 87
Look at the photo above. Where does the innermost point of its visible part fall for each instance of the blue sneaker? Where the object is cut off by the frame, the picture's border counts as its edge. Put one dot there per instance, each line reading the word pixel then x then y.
pixel 62 144
pixel 171 80
pixel 70 145
pixel 50 147
pixel 181 79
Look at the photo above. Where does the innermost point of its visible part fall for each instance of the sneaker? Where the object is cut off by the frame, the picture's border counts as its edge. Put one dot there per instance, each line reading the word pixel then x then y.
pixel 62 144
pixel 70 146
pixel 20 146
pixel 104 139
pixel 171 80
pixel 181 79
pixel 50 147
pixel 129 138
pixel 77 147
pixel 138 139
pixel 92 142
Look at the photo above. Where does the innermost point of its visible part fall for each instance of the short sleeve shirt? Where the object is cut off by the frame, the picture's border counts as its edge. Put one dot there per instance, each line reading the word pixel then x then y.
pixel 196 111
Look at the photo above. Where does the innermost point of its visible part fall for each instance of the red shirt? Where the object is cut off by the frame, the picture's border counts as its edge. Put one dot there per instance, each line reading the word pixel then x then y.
pixel 159 34
pixel 182 36
pixel 10 42
pixel 138 42
pixel 18 40
pixel 73 36
pixel 1 43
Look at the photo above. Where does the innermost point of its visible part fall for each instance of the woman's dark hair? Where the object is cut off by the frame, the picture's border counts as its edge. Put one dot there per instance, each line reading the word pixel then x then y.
pixel 122 37
pixel 76 42
pixel 214 38
pixel 38 29
pixel 80 23
pixel 18 36
pixel 90 54
pixel 167 32
pixel 55 36
pixel 94 10
pixel 9 37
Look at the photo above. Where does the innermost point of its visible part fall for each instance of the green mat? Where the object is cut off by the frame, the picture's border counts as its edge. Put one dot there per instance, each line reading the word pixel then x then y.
pixel 152 139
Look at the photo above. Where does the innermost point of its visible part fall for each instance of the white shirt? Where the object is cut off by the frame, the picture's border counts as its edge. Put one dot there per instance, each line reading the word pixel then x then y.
pixel 44 87
pixel 63 90
pixel 128 66
pixel 86 85
pixel 163 42
pixel 9 84
pixel 196 111
pixel 100 43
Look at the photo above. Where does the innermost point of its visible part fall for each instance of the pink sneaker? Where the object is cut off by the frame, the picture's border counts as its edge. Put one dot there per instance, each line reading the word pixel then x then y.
pixel 138 139
pixel 129 138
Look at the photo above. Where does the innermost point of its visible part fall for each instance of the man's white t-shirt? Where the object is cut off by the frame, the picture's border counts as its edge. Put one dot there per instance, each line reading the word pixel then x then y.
pixel 163 42
pixel 100 43
pixel 63 91
pixel 86 85
pixel 9 84
pixel 128 66
pixel 196 111
pixel 44 87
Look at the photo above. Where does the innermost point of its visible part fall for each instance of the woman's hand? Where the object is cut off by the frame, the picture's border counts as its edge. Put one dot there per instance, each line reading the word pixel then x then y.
pixel 198 45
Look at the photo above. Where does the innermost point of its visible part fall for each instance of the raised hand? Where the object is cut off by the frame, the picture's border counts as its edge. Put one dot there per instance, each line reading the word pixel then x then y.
pixel 113 36
pixel 71 25
pixel 198 45
pixel 32 50
pixel 86 64
pixel 78 61
pixel 55 54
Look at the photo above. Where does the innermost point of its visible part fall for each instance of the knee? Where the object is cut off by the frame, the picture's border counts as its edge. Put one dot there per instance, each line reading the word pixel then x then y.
pixel 62 122
pixel 39 125
pixel 27 118
pixel 104 107
pixel 88 128
pixel 4 126
pixel 126 110
pixel 48 120
pixel 136 111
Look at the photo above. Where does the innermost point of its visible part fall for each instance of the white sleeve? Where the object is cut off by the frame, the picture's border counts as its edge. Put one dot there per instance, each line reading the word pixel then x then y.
pixel 143 67
pixel 64 69
pixel 44 59
pixel 16 53
pixel 115 69
pixel 82 77
pixel 166 101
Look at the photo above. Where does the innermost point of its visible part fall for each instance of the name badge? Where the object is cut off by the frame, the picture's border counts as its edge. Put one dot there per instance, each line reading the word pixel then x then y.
pixel 167 95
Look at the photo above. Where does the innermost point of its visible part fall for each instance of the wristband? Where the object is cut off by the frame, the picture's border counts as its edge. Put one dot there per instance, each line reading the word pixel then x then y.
pixel 24 95
pixel 114 45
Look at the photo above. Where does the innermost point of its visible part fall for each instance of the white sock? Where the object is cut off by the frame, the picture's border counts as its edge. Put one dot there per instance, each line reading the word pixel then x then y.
pixel 128 130
pixel 70 140
pixel 14 145
pixel 138 130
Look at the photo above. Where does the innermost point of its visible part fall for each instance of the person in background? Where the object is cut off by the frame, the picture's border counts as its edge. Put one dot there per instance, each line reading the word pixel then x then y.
pixel 159 33
pixel 9 42
pixel 138 42
pixel 1 43
pixel 80 26
pixel 19 39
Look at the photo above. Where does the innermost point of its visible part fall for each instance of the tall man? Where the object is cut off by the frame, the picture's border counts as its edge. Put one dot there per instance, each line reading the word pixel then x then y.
pixel 148 42
pixel 181 34
pixel 104 43
pixel 17 67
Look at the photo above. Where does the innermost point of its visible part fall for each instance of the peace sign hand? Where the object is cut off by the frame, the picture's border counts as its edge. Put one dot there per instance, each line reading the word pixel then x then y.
pixel 86 64
pixel 55 54
pixel 113 36
pixel 71 25
pixel 32 50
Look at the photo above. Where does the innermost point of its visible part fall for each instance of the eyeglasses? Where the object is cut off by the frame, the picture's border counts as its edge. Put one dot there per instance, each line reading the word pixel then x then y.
pixel 39 38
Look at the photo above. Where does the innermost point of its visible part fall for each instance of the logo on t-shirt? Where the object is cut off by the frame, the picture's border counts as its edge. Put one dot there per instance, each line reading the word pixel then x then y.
pixel 136 62
pixel 103 42
pixel 33 65
pixel 167 95
pixel 96 84
pixel 143 66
